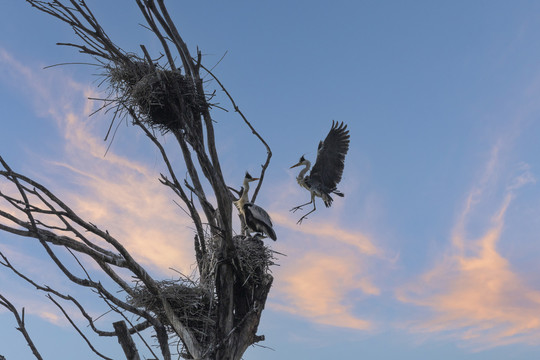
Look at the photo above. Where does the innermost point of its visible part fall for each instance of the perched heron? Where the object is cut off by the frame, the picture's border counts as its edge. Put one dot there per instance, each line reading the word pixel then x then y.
pixel 256 218
pixel 328 169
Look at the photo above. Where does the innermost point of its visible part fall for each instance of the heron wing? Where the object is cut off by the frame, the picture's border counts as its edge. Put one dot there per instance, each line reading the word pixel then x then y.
pixel 259 213
pixel 260 218
pixel 330 162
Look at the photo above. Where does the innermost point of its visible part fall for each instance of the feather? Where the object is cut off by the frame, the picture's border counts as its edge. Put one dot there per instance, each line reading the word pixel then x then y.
pixel 258 219
pixel 330 162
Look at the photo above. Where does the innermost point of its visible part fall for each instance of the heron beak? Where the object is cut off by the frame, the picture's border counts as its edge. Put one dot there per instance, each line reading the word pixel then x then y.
pixel 295 165
pixel 254 179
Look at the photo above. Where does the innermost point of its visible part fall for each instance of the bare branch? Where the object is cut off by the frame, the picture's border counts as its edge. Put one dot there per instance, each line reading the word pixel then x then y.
pixel 47 289
pixel 154 28
pixel 20 321
pixel 171 30
pixel 177 188
pixel 133 330
pixel 125 340
pixel 77 329
pixel 90 32
pixel 237 109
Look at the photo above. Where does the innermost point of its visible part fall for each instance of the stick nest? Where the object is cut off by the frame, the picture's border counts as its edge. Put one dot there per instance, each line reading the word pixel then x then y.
pixel 255 258
pixel 165 99
pixel 194 301
pixel 192 304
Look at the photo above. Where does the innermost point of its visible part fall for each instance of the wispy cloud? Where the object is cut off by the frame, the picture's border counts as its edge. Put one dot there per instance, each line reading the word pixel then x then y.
pixel 113 191
pixel 473 292
pixel 37 307
pixel 328 268
pixel 322 284
pixel 329 230
pixel 324 288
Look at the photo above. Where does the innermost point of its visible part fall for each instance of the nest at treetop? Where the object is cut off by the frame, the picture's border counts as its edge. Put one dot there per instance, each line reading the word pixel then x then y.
pixel 164 99
pixel 254 258
pixel 194 301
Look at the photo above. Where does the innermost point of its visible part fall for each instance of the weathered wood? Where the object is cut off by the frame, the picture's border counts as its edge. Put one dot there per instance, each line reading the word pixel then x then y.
pixel 125 340
pixel 235 318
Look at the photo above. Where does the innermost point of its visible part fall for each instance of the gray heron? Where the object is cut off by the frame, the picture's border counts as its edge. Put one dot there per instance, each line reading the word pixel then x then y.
pixel 256 218
pixel 328 169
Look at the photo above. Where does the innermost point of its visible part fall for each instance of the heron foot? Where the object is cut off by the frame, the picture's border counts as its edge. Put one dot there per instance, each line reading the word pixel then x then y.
pixel 259 237
pixel 299 222
pixel 294 209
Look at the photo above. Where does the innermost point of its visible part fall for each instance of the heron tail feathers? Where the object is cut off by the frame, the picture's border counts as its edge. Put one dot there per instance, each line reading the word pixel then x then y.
pixel 327 200
pixel 338 193
pixel 271 233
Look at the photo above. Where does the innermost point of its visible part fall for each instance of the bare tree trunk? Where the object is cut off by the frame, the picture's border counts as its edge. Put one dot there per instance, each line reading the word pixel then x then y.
pixel 215 316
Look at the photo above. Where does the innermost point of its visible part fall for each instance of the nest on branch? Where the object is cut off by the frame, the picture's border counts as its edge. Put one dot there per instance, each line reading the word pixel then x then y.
pixel 252 272
pixel 254 258
pixel 192 304
pixel 164 99
pixel 194 301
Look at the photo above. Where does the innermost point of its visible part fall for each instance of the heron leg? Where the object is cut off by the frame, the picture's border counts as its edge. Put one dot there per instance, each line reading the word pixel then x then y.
pixel 305 216
pixel 301 206
pixel 247 230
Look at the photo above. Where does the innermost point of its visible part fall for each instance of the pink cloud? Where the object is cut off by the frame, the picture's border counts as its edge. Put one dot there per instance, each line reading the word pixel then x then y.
pixel 319 287
pixel 326 230
pixel 113 191
pixel 326 273
pixel 473 292
pixel 124 196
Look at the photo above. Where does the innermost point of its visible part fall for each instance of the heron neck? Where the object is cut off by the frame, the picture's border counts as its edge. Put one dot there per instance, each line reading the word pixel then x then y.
pixel 303 172
pixel 244 198
pixel 246 188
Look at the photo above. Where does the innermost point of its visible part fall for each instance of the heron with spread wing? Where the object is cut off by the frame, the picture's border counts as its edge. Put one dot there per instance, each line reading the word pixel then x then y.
pixel 326 173
pixel 255 217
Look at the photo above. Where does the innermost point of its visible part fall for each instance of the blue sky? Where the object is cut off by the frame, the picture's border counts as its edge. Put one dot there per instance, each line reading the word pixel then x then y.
pixel 431 254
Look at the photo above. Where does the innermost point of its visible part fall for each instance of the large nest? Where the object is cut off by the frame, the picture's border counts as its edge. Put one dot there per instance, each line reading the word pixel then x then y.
pixel 194 301
pixel 165 99
pixel 191 303
pixel 254 258
pixel 252 267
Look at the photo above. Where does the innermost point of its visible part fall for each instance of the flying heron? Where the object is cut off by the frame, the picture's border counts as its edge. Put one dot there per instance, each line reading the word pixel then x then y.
pixel 256 218
pixel 328 169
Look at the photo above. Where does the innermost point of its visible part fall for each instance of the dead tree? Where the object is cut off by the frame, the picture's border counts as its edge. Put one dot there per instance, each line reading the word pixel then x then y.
pixel 214 315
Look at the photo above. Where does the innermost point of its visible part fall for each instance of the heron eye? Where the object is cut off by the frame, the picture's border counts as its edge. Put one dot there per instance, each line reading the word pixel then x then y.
pixel 302 158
